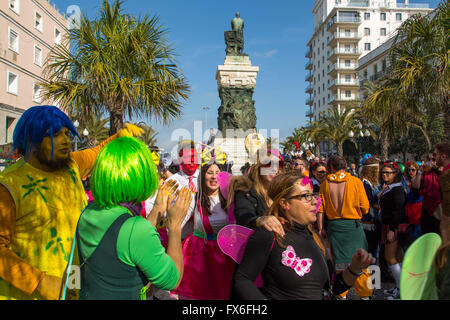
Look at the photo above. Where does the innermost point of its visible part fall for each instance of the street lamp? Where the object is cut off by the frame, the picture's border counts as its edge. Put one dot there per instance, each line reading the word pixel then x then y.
pixel 206 117
pixel 76 124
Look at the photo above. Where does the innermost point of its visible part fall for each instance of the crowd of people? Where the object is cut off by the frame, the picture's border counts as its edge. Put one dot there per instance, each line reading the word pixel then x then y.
pixel 139 228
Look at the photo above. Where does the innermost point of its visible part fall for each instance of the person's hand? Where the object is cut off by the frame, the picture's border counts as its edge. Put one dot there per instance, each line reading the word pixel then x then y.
pixel 130 130
pixel 177 212
pixel 165 190
pixel 272 224
pixel 361 260
pixel 390 236
pixel 50 287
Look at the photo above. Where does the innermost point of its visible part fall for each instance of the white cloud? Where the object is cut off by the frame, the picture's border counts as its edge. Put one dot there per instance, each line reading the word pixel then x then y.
pixel 266 54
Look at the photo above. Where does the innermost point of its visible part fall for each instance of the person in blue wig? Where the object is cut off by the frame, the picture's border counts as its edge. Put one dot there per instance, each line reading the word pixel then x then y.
pixel 41 199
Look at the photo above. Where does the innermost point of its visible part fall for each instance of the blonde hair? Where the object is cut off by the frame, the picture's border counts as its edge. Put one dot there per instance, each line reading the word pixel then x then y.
pixel 370 173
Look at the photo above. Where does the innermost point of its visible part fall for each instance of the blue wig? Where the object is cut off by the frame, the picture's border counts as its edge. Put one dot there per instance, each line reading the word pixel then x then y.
pixel 35 124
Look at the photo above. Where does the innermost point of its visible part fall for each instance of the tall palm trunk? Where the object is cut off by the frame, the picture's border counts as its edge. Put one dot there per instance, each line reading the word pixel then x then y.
pixel 384 141
pixel 446 108
pixel 115 121
pixel 340 149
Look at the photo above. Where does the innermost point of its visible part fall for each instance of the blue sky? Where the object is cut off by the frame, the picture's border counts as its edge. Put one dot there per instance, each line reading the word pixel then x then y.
pixel 275 33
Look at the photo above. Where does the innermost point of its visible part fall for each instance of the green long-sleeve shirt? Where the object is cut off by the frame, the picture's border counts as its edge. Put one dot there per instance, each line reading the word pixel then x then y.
pixel 138 244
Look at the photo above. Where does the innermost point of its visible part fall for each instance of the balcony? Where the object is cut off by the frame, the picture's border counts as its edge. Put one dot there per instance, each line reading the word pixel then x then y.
pixel 309 65
pixel 309 88
pixel 342 98
pixel 308 53
pixel 344 37
pixel 334 68
pixel 309 113
pixel 342 83
pixel 309 101
pixel 308 76
pixel 348 52
pixel 342 21
pixel 414 5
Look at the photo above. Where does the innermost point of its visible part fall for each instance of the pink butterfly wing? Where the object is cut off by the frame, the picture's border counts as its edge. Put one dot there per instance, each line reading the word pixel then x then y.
pixel 288 256
pixel 232 240
pixel 224 178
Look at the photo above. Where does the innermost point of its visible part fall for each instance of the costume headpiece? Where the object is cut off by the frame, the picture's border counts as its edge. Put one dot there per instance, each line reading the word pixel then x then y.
pixel 36 123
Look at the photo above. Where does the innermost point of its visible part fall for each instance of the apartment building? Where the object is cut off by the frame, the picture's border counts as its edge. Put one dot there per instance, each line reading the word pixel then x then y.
pixel 28 31
pixel 344 32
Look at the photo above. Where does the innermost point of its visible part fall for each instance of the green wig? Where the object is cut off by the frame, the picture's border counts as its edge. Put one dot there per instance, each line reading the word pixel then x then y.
pixel 123 172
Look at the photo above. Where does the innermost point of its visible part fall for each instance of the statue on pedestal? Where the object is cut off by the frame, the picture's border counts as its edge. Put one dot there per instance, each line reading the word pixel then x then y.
pixel 234 39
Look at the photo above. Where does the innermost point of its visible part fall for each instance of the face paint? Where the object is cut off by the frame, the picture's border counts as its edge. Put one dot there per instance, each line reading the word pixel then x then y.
pixel 189 161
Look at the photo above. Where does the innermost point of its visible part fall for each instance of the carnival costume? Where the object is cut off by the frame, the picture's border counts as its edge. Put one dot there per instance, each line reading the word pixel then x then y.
pixel 39 209
pixel 119 250
pixel 345 231
pixel 207 270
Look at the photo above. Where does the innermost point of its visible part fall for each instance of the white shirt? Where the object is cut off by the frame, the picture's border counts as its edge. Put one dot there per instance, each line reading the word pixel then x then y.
pixel 217 219
pixel 183 181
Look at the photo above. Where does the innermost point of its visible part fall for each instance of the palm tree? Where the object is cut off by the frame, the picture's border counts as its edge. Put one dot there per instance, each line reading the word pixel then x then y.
pixel 149 135
pixel 419 61
pixel 336 125
pixel 98 131
pixel 119 64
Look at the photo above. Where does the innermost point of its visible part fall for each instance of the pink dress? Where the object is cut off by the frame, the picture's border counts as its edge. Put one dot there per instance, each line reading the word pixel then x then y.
pixel 207 270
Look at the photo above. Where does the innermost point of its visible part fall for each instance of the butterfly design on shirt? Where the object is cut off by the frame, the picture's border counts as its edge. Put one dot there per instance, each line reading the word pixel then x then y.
pixel 301 266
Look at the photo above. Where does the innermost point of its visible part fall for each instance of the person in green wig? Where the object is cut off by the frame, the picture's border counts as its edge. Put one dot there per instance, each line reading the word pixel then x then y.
pixel 120 251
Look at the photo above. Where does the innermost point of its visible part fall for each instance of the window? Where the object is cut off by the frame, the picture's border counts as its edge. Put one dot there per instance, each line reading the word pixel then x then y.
pixel 347 63
pixel 348 78
pixel 57 36
pixel 12 83
pixel 348 93
pixel 323 100
pixel 366 15
pixel 347 48
pixel 367 31
pixel 37 21
pixel 383 65
pixel 382 31
pixel 14 5
pixel 13 41
pixel 37 93
pixel 347 33
pixel 367 46
pixel 365 74
pixel 398 17
pixel 37 55
pixel 383 16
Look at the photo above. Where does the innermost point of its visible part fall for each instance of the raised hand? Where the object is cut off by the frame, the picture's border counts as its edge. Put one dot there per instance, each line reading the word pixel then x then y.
pixel 177 212
pixel 361 260
pixel 167 189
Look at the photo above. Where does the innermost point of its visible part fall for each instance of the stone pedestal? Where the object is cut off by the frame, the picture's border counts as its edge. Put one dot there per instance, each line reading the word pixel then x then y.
pixel 236 152
pixel 236 80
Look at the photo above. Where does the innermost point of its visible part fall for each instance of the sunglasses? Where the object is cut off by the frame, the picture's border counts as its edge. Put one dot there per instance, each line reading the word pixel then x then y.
pixel 321 172
pixel 298 164
pixel 412 170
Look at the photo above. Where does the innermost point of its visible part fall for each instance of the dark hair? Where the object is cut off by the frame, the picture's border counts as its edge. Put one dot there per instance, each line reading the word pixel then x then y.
pixel 205 201
pixel 410 164
pixel 444 148
pixel 314 166
pixel 394 167
pixel 337 163
pixel 282 187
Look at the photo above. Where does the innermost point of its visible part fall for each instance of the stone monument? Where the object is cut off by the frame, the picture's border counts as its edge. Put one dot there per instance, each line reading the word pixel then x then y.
pixel 236 81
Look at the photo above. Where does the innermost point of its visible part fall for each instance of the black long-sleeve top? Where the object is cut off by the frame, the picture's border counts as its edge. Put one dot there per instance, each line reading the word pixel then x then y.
pixel 392 205
pixel 264 255
pixel 248 206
